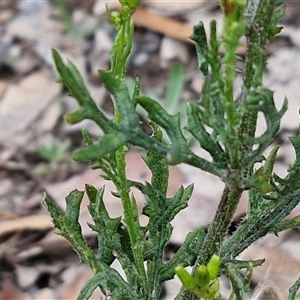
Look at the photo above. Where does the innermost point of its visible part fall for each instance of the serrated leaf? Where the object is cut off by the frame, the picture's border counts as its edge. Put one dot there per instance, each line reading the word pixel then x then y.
pixel 197 129
pixel 261 181
pixel 262 178
pixel 178 202
pixel 53 209
pixel 264 102
pixel 126 246
pixel 112 283
pixel 293 295
pixel 71 78
pixel 70 229
pixel 105 226
pixel 211 108
pixel 291 182
pixel 171 124
pixel 166 208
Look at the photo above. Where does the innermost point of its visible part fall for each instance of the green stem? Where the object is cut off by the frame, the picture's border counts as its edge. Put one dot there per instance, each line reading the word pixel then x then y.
pixel 255 228
pixel 229 76
pixel 220 224
pixel 217 232
pixel 121 51
pixel 131 218
pixel 257 38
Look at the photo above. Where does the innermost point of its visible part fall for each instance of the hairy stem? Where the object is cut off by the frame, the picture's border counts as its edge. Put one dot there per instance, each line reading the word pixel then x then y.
pixel 216 232
pixel 257 37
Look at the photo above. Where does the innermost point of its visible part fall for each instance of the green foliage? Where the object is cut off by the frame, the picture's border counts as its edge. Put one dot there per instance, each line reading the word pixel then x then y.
pixel 293 291
pixel 56 152
pixel 68 22
pixel 221 124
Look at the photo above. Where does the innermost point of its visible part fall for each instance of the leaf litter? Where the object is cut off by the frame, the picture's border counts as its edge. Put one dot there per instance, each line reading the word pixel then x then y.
pixel 35 263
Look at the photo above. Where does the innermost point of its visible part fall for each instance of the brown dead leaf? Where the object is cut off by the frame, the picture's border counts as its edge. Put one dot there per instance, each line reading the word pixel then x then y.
pixel 53 246
pixel 22 104
pixel 169 27
pixel 164 25
pixel 34 222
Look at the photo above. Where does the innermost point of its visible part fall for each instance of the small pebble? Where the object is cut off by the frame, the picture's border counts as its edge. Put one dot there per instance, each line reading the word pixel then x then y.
pixel 172 49
pixel 140 59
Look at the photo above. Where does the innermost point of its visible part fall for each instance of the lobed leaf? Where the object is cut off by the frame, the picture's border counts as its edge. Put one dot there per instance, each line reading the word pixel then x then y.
pixel 171 124
pixel 206 140
pixel 105 226
pixel 69 227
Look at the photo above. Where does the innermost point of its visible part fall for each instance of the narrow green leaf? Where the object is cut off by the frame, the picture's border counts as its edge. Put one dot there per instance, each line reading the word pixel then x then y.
pixel 73 202
pixel 86 137
pixel 124 104
pixel 109 143
pixel 158 166
pixel 71 78
pixel 199 36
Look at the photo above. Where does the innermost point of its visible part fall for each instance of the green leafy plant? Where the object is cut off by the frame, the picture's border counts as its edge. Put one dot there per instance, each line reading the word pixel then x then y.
pixel 56 152
pixel 66 17
pixel 223 125
pixel 67 20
